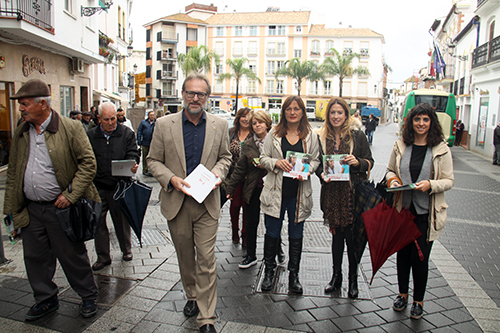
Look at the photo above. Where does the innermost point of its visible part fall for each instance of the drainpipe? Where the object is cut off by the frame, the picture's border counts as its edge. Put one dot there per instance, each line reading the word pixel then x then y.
pixel 476 22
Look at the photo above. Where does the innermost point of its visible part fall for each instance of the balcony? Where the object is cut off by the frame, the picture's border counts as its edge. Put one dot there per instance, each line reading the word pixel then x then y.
pixel 167 93
pixel 347 52
pixel 166 56
pixel 39 12
pixel 329 53
pixel 315 53
pixel 365 53
pixel 252 51
pixel 166 75
pixel 169 38
pixel 487 53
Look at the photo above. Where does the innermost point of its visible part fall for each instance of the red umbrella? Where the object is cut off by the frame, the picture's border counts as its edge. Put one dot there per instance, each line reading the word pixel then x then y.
pixel 388 231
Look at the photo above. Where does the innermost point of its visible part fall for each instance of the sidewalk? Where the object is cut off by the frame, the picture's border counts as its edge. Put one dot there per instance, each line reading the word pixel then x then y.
pixel 145 295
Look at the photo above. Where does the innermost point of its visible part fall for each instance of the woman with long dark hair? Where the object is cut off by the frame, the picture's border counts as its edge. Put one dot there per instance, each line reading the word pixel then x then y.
pixel 238 134
pixel 422 157
pixel 283 194
pixel 340 135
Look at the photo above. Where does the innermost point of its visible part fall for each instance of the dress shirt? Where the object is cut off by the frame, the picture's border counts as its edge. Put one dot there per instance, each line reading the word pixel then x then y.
pixel 194 139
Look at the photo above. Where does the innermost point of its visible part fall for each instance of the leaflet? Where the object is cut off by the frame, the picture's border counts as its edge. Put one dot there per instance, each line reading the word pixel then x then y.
pixel 122 168
pixel 334 168
pixel 202 181
pixel 300 164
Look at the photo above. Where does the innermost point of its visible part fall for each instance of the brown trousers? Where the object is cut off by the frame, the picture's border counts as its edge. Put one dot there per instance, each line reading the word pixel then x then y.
pixel 43 241
pixel 194 233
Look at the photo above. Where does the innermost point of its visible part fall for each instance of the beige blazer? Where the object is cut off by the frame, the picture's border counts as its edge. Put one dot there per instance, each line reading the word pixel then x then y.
pixel 166 159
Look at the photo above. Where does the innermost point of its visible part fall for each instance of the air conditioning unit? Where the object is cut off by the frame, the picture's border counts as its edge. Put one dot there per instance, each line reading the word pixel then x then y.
pixel 77 65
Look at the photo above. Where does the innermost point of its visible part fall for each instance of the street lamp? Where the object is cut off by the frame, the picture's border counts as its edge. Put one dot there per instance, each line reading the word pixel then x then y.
pixel 89 11
pixel 130 48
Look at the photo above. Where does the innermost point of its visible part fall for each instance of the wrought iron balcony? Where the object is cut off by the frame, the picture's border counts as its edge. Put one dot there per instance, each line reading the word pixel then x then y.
pixel 486 53
pixel 38 12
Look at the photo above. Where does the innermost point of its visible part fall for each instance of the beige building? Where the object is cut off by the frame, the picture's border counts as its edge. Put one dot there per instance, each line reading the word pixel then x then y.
pixel 267 40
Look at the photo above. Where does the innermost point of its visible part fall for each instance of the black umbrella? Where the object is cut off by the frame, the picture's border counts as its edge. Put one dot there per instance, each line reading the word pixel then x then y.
pixel 132 196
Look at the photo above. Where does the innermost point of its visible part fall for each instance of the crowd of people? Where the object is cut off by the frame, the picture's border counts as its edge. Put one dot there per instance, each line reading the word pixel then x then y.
pixel 250 159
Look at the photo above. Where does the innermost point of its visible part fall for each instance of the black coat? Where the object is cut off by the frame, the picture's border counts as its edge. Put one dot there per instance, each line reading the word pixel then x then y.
pixel 121 146
pixel 496 135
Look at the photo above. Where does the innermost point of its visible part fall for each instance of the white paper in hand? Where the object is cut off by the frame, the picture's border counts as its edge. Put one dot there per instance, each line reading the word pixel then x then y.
pixel 202 181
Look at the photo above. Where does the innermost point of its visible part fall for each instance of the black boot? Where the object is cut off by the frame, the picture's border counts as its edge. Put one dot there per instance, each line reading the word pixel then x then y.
pixel 270 262
pixel 353 282
pixel 280 255
pixel 336 281
pixel 294 285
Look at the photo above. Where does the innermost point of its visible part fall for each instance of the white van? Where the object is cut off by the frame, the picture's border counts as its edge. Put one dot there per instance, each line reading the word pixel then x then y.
pixel 311 113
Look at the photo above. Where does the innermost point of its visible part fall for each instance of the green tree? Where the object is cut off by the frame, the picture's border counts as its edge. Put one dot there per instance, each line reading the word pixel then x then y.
pixel 198 59
pixel 300 70
pixel 341 65
pixel 238 71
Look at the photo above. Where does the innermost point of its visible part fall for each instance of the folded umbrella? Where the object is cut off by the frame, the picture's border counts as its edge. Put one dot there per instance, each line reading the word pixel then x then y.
pixel 388 231
pixel 132 196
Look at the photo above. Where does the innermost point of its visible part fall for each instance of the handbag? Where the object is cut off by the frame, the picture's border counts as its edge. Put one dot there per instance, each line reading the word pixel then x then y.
pixel 381 187
pixel 80 221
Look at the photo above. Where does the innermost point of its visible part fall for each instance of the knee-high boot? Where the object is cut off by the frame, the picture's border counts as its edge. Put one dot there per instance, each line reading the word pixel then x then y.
pixel 293 265
pixel 270 262
pixel 279 252
pixel 353 275
pixel 336 281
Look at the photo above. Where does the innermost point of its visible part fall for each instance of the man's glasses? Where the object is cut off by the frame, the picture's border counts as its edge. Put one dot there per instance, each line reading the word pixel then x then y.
pixel 191 94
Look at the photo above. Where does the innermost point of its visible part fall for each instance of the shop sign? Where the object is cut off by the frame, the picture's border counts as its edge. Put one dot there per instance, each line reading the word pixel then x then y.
pixel 32 64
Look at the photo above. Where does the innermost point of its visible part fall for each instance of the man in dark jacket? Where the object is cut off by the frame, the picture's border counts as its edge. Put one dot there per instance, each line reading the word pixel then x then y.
pixel 144 136
pixel 111 141
pixel 496 143
pixel 370 126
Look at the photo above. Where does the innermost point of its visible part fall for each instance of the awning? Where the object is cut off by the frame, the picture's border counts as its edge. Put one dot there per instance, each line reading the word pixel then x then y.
pixel 109 95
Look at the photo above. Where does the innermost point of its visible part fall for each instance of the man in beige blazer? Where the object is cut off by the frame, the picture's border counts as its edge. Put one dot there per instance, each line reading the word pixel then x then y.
pixel 180 142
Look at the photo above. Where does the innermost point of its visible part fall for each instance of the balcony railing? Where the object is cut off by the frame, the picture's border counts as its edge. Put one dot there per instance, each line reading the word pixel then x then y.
pixel 165 55
pixel 169 38
pixel 480 2
pixel 37 12
pixel 252 51
pixel 364 52
pixel 486 53
pixel 167 75
pixel 166 93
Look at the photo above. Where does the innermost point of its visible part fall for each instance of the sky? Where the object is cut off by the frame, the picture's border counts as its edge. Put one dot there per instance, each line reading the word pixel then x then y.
pixel 405 25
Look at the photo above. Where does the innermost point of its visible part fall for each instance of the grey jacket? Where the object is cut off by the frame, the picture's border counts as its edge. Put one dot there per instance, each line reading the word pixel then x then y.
pixel 271 193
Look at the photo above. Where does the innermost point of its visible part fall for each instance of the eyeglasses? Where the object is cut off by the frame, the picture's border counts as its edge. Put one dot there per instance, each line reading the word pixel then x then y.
pixel 201 95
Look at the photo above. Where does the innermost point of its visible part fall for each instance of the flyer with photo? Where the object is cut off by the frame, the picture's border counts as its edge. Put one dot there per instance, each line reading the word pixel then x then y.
pixel 334 167
pixel 300 164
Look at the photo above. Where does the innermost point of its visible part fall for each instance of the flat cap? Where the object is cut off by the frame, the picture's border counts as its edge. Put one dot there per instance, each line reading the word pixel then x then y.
pixel 32 88
pixel 74 113
pixel 86 113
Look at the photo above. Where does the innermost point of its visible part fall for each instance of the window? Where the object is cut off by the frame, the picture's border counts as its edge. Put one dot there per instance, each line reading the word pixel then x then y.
pixel 272 30
pixel 280 64
pixel 363 64
pixel 281 48
pixel 281 30
pixel 219 31
pixel 298 29
pixel 238 48
pixel 148 35
pixel 252 87
pixel 219 69
pixel 192 34
pixel 68 5
pixel 219 48
pixel 252 48
pixel 297 53
pixel 329 47
pixel 271 48
pixel 271 69
pixel 148 53
pixel 315 48
pixel 168 89
pixel 364 49
pixel 314 88
pixel 66 94
pixel 252 65
pixel 328 88
pixel 346 88
pixel 362 89
pixel 253 30
pixel 270 87
pixel 148 71
pixel 219 87
pixel 148 89
pixel 120 23
pixel 347 48
pixel 279 86
pixel 238 31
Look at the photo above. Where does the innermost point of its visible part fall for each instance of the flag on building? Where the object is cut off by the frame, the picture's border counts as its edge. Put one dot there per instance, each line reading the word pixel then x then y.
pixel 439 63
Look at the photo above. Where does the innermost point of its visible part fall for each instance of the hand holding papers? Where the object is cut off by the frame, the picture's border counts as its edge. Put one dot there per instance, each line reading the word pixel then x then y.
pixel 401 188
pixel 201 181
pixel 122 168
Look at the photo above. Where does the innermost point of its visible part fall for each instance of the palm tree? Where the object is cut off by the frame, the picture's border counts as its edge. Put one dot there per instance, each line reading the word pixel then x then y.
pixel 238 71
pixel 342 67
pixel 300 70
pixel 198 59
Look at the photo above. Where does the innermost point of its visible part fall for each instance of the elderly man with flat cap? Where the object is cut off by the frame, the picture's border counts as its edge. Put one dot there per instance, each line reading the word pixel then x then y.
pixel 48 153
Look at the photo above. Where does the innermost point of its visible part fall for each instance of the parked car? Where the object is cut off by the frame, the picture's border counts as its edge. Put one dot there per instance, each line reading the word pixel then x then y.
pixel 311 113
pixel 221 113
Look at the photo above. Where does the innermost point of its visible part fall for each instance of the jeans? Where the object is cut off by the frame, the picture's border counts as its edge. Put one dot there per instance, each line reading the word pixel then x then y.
pixel 274 225
pixel 369 135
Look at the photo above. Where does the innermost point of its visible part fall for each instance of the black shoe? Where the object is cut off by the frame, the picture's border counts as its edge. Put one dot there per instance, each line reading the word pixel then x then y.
pixel 208 328
pixel 353 286
pixel 417 311
pixel 127 257
pixel 248 262
pixel 400 303
pixel 43 308
pixel 495 163
pixel 294 285
pixel 335 283
pixel 191 309
pixel 88 308
pixel 270 262
pixel 98 265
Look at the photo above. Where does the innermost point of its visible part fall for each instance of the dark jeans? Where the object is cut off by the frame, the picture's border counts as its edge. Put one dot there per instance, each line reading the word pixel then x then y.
pixel 408 259
pixel 369 135
pixel 338 249
pixel 253 219
pixel 145 152
pixel 237 203
pixel 496 154
pixel 274 225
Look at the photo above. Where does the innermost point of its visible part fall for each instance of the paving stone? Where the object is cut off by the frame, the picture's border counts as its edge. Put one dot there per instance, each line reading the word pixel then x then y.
pixel 299 327
pixel 145 326
pixel 444 330
pixel 418 325
pixel 438 320
pixel 323 313
pixel 299 317
pixel 166 317
pixel 376 329
pixel 276 320
pixel 323 326
pixel 370 319
pixel 109 325
pixel 239 327
pixel 395 327
pixel 7 308
pixel 146 292
pixel 467 327
pixel 344 310
pixel 347 323
pixel 366 306
pixel 300 303
pixel 138 303
pixel 390 315
pixel 457 315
